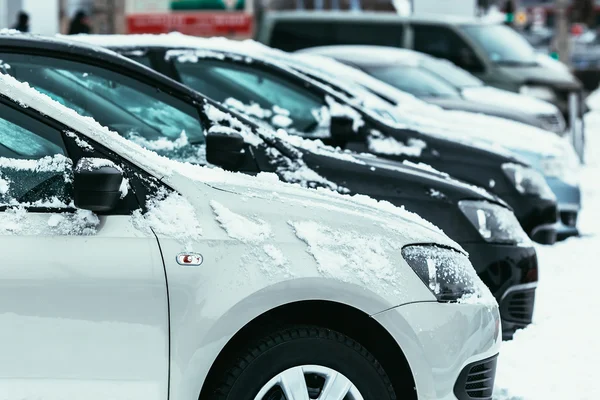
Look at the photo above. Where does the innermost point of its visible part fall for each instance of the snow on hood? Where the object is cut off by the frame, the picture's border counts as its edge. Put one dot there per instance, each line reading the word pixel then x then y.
pixel 494 96
pixel 593 100
pixel 179 175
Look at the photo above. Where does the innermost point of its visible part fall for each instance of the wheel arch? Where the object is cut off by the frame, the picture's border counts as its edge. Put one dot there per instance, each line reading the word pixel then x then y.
pixel 329 314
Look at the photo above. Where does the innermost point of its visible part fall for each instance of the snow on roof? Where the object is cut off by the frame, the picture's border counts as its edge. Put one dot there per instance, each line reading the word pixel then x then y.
pixel 162 167
pixel 369 55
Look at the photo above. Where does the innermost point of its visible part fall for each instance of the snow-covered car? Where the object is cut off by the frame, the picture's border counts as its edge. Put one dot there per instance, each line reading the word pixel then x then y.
pixel 134 276
pixel 442 83
pixel 263 88
pixel 122 94
pixel 554 157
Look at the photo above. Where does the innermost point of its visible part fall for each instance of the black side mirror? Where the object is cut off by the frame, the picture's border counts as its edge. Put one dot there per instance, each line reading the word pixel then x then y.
pixel 96 184
pixel 225 149
pixel 341 130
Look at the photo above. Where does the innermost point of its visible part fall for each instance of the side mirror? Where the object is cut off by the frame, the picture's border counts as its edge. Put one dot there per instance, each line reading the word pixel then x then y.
pixel 341 130
pixel 96 184
pixel 225 149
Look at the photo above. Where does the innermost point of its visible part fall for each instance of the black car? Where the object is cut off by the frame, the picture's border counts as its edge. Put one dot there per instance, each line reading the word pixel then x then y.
pixel 251 85
pixel 152 109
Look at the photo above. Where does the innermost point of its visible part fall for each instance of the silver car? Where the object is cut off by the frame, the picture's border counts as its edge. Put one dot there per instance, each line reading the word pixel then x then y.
pixel 126 276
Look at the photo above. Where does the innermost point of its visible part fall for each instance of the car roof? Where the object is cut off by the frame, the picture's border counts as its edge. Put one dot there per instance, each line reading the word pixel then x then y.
pixel 365 55
pixel 372 16
pixel 47 46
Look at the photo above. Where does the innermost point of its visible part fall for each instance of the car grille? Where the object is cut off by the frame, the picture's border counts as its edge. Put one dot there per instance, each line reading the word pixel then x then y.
pixel 569 218
pixel 476 381
pixel 553 122
pixel 517 306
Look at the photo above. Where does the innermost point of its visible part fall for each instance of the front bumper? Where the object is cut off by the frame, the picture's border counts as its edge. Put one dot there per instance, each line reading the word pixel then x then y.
pixel 568 197
pixel 439 340
pixel 537 216
pixel 504 269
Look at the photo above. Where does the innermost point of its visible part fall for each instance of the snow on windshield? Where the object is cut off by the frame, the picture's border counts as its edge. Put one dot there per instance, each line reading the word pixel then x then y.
pixel 380 144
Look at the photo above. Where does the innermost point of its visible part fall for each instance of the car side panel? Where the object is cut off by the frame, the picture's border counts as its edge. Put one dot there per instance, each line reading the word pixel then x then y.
pixel 81 316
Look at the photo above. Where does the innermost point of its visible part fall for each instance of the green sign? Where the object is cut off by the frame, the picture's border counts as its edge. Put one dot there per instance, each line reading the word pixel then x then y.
pixel 197 5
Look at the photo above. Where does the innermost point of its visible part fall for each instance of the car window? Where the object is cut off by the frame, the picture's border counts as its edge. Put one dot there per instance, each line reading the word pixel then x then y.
pixel 502 44
pixel 296 35
pixel 442 42
pixel 138 111
pixel 449 72
pixel 252 85
pixel 34 168
pixel 138 56
pixel 413 80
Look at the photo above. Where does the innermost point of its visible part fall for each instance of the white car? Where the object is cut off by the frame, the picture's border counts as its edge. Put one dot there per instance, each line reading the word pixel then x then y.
pixel 127 276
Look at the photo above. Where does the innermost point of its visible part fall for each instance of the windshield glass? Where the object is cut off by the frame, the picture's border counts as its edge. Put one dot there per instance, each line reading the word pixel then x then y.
pixel 415 81
pixel 502 44
pixel 452 74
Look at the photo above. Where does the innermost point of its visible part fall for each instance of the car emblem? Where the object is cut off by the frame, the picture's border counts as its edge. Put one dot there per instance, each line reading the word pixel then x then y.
pixel 189 259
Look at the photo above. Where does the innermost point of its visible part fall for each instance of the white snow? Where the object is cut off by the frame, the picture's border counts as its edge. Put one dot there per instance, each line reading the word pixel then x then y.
pixel 275 254
pixel 388 145
pixel 240 227
pixel 170 215
pixel 81 222
pixel 4 185
pixel 124 188
pixel 173 215
pixel 90 164
pixel 80 142
pixel 347 254
pixel 556 356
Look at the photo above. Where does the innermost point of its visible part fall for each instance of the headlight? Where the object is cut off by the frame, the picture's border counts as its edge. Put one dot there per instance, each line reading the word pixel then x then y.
pixel 496 224
pixel 447 273
pixel 527 180
pixel 539 92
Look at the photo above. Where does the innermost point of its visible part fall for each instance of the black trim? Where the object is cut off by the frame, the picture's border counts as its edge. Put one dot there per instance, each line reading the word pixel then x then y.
pixel 476 380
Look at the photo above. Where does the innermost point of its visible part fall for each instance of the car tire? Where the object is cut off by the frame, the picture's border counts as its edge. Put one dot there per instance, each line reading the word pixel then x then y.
pixel 274 363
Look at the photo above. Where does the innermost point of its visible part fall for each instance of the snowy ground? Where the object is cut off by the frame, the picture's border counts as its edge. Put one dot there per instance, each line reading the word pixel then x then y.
pixel 555 358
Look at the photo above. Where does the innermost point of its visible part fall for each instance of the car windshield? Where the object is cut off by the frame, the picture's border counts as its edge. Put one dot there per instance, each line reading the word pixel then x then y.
pixel 418 82
pixel 502 44
pixel 452 74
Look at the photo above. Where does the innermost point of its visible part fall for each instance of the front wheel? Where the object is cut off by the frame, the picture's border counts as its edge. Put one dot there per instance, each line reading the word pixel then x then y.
pixel 305 363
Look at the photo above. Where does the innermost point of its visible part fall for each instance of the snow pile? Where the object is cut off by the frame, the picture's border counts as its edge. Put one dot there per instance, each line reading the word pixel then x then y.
pixel 92 164
pixel 239 227
pixel 12 220
pixel 275 254
pixel 341 110
pixel 4 185
pixel 80 142
pixel 555 357
pixel 81 222
pixel 381 144
pixel 170 215
pixel 347 255
pixel 277 117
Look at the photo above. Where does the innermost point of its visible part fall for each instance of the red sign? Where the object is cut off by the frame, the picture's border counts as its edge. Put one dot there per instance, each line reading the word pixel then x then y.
pixel 226 23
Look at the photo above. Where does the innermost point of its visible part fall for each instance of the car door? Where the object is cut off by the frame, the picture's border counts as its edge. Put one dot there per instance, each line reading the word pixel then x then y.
pixel 83 297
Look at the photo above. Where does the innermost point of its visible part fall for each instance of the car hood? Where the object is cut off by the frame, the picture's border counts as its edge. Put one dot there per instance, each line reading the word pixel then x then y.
pixel 543 75
pixel 429 177
pixel 478 128
pixel 265 198
pixel 509 100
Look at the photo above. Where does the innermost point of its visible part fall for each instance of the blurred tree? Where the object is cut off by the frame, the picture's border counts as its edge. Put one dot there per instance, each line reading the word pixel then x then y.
pixel 583 12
